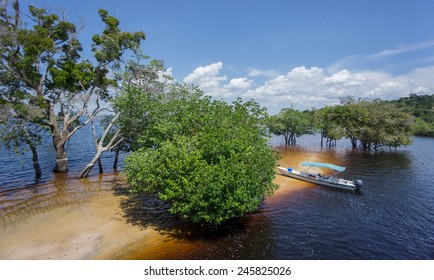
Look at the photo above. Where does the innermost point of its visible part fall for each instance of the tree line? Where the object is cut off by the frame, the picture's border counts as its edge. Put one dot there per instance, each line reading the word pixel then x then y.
pixel 368 124
pixel 422 108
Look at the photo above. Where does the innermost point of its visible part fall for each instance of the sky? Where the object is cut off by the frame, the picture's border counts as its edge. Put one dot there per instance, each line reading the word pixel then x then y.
pixel 300 54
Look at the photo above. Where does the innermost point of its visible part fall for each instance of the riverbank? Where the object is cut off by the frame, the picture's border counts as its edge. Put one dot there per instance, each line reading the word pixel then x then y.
pixel 91 227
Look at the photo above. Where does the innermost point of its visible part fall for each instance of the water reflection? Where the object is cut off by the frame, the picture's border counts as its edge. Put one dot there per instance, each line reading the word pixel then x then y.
pixel 247 237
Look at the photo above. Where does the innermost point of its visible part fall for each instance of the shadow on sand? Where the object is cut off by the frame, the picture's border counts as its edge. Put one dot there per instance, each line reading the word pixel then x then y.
pixel 147 211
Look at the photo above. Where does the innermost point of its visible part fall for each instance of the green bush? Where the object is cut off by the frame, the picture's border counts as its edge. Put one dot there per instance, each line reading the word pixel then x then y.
pixel 222 168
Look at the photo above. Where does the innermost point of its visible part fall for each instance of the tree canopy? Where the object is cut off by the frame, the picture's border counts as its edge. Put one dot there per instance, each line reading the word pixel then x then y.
pixel 422 108
pixel 209 160
pixel 41 67
pixel 369 124
pixel 290 123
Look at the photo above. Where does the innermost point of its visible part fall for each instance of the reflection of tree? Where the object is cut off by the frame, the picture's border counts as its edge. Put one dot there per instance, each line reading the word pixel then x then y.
pixel 382 160
pixel 249 237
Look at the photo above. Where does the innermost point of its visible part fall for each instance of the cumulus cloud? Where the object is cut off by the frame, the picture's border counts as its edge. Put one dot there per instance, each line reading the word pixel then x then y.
pixel 345 78
pixel 206 77
pixel 240 83
pixel 209 79
pixel 305 88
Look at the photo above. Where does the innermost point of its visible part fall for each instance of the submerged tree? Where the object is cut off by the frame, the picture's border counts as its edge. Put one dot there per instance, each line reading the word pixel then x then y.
pixel 18 131
pixel 422 108
pixel 369 124
pixel 209 160
pixel 324 122
pixel 291 124
pixel 45 60
pixel 19 136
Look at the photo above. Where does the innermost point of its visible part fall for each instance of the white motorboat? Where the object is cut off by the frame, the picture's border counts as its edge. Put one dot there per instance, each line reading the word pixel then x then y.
pixel 309 175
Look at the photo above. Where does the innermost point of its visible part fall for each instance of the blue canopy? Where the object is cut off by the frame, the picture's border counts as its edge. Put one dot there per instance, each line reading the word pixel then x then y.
pixel 325 165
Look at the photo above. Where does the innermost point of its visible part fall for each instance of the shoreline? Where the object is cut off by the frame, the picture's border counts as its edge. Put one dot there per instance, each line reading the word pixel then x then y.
pixel 94 229
pixel 87 221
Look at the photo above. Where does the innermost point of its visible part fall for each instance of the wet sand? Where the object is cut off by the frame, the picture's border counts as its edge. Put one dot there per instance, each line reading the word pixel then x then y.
pixel 94 226
pixel 94 229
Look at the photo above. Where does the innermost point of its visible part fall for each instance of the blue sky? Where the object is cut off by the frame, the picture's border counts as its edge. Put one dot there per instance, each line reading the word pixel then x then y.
pixel 281 53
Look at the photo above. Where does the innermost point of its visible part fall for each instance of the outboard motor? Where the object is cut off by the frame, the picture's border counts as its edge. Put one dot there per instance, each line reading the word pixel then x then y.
pixel 359 185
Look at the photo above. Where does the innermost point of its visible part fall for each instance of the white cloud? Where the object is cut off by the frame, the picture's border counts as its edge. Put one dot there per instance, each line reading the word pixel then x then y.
pixel 209 79
pixel 305 88
pixel 346 78
pixel 362 60
pixel 387 90
pixel 405 48
pixel 206 77
pixel 240 83
pixel 255 72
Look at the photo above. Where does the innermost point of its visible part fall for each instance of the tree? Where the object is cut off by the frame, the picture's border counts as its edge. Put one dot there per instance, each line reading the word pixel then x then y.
pixel 324 121
pixel 101 146
pixel 290 123
pixel 45 60
pixel 18 133
pixel 422 108
pixel 20 136
pixel 118 135
pixel 209 160
pixel 369 124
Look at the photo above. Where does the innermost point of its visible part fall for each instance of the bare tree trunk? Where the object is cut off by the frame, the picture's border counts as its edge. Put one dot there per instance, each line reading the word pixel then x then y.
pixel 115 162
pixel 354 142
pixel 85 172
pixel 286 139
pixel 61 165
pixel 36 166
pixel 100 149
pixel 101 170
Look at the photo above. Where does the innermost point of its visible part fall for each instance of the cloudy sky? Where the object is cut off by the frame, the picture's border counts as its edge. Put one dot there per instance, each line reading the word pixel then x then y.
pixel 281 53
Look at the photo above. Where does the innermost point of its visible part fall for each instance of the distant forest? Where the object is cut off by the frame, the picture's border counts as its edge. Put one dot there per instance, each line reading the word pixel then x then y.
pixel 369 124
pixel 422 108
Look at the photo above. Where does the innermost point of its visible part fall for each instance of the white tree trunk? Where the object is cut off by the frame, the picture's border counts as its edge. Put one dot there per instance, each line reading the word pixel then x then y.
pixel 100 149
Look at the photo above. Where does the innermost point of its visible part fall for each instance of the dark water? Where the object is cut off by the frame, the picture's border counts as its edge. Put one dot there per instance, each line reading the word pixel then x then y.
pixel 16 170
pixel 393 218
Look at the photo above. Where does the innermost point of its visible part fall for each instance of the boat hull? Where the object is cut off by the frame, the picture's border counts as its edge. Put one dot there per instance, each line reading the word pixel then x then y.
pixel 315 179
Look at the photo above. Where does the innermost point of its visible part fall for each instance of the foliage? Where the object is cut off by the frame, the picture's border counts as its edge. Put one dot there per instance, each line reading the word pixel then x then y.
pixel 422 108
pixel 41 66
pixel 324 121
pixel 290 123
pixel 369 124
pixel 209 160
pixel 423 128
pixel 17 131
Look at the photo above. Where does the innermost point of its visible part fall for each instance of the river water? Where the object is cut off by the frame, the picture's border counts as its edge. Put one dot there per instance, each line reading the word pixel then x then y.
pixel 393 218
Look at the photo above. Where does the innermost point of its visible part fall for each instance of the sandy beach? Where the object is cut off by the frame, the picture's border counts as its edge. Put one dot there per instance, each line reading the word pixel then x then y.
pixel 94 229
